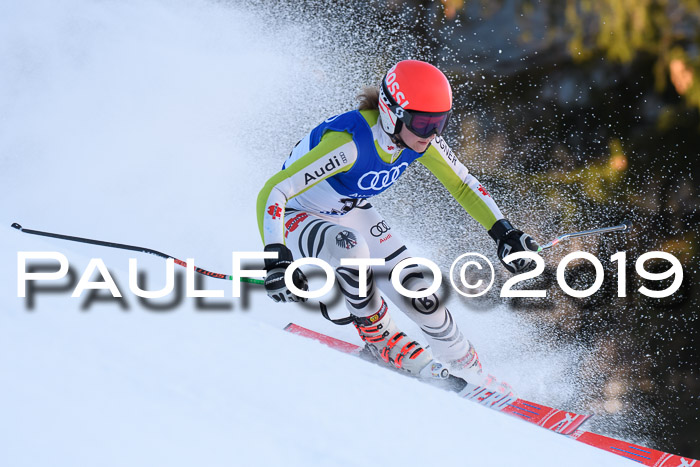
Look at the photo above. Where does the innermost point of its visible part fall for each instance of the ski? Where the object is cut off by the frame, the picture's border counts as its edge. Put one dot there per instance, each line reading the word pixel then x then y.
pixel 640 454
pixel 559 421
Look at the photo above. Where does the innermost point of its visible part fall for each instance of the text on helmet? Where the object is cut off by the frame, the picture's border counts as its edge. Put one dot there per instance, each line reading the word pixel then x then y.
pixel 393 86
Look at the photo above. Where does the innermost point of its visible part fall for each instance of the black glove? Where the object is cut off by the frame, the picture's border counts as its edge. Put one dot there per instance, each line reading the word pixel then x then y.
pixel 511 240
pixel 274 280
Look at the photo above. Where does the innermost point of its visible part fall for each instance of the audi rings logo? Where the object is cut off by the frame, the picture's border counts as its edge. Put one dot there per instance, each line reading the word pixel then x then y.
pixel 380 180
pixel 379 229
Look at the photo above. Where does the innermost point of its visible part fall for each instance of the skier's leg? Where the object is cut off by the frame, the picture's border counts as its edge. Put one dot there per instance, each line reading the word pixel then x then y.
pixel 435 320
pixel 310 235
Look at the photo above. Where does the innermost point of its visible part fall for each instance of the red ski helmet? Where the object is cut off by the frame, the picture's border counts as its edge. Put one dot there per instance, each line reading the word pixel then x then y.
pixel 415 94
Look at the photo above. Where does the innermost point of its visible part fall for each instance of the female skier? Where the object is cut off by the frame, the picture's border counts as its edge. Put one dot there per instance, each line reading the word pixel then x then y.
pixel 316 206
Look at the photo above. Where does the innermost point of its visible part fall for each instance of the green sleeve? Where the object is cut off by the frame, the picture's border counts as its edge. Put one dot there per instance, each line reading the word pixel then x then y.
pixel 465 188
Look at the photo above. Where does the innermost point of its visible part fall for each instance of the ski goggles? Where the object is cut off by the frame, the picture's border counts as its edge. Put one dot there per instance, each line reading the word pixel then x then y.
pixel 422 124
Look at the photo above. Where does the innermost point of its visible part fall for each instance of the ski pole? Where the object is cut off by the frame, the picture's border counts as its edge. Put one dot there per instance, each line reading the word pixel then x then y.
pixel 140 249
pixel 625 226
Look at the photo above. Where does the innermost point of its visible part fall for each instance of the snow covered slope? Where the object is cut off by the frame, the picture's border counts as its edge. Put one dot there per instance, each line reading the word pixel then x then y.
pixel 136 389
pixel 154 123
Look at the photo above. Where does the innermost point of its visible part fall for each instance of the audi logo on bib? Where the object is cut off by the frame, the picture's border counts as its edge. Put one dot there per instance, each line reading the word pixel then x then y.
pixel 380 180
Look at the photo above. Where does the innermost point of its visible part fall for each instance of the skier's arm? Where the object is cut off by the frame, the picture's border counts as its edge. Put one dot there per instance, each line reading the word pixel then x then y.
pixel 475 199
pixel 301 175
pixel 466 189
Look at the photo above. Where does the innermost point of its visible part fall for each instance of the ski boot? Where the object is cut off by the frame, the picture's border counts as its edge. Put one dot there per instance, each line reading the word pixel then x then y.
pixel 467 367
pixel 387 343
pixel 485 389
